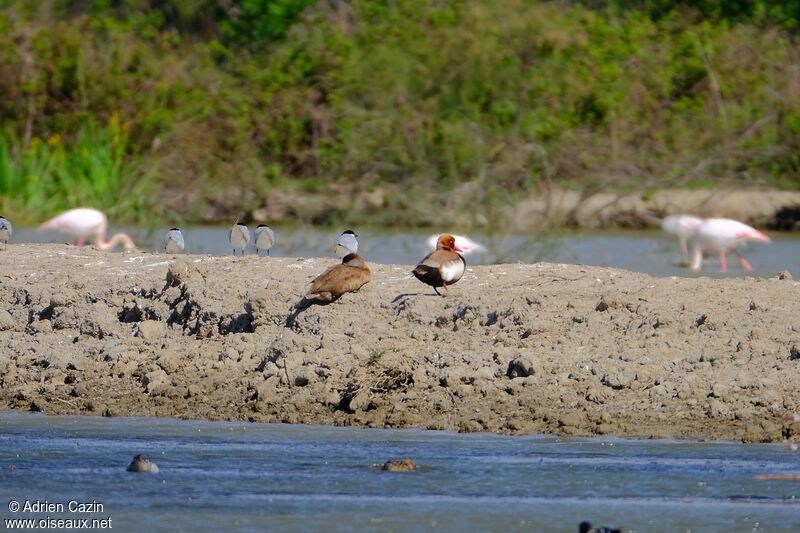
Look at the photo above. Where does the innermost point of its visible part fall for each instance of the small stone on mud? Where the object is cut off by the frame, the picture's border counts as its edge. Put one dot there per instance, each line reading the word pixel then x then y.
pixel 177 273
pixel 522 367
pixel 6 320
pixel 766 431
pixel 361 402
pixel 170 361
pixel 40 326
pixel 80 389
pixel 794 353
pixel 570 420
pixel 267 390
pixel 100 322
pixel 399 465
pixel 156 382
pixel 151 329
pixel 784 276
pixel 485 372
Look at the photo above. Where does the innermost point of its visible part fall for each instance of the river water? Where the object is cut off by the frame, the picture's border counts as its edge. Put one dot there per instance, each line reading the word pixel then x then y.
pixel 640 251
pixel 234 476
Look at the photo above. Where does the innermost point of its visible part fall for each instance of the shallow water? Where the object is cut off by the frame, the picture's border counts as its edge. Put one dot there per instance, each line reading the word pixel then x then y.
pixel 247 477
pixel 639 251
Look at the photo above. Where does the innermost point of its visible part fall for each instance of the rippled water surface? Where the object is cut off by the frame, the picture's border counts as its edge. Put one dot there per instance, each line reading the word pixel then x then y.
pixel 223 476
pixel 640 251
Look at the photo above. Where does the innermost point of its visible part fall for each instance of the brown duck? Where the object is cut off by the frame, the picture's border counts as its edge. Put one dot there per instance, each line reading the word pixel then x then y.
pixel 352 274
pixel 443 266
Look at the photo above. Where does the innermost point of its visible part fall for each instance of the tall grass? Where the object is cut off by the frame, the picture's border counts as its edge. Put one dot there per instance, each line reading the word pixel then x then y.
pixel 92 168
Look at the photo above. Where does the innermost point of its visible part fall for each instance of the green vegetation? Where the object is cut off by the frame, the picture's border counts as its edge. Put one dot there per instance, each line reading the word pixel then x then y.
pixel 387 112
pixel 374 357
pixel 94 169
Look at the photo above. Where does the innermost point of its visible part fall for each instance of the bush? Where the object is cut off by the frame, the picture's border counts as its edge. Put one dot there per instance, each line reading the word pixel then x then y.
pixel 392 111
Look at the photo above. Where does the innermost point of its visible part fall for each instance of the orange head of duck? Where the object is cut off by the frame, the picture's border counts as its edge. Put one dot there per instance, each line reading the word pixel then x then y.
pixel 447 242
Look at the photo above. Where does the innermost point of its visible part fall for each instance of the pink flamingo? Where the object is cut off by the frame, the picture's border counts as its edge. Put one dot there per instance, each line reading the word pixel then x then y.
pixel 86 224
pixel 721 235
pixel 682 226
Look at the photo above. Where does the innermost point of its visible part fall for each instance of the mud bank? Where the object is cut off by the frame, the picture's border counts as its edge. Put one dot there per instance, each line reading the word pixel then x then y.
pixel 770 208
pixel 556 207
pixel 542 348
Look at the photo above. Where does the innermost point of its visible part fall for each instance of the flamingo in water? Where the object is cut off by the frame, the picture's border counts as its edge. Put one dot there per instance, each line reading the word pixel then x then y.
pixel 720 235
pixel 682 226
pixel 86 224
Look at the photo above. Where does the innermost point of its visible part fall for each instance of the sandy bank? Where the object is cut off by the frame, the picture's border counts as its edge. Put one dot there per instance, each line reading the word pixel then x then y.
pixel 542 348
pixel 764 208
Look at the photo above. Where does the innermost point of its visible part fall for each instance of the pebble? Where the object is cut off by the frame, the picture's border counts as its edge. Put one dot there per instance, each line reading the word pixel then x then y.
pixel 141 464
pixel 399 465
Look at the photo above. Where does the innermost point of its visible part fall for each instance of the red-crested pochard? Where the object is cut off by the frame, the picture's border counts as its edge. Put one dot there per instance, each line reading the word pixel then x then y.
pixel 442 267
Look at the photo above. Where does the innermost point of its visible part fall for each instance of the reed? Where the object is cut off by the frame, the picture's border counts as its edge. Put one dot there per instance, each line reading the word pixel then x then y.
pixel 90 168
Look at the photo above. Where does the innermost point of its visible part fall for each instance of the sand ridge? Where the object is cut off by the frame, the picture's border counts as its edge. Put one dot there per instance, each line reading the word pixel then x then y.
pixel 513 348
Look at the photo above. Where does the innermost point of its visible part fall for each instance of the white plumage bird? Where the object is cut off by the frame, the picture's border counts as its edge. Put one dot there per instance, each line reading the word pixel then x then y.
pixel 173 241
pixel 87 224
pixel 239 237
pixel 682 227
pixel 466 244
pixel 265 238
pixel 722 235
pixel 6 231
pixel 346 244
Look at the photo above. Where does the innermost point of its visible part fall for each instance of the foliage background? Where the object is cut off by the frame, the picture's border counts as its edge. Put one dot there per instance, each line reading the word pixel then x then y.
pixel 387 112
